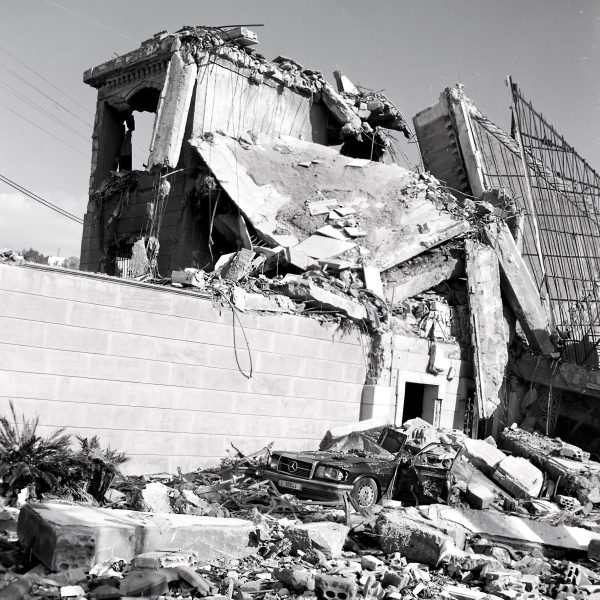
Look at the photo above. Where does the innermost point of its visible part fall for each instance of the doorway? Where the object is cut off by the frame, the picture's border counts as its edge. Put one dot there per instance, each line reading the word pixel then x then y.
pixel 419 401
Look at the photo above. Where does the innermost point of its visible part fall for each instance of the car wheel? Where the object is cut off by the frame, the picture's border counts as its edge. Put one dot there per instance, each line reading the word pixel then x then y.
pixel 365 492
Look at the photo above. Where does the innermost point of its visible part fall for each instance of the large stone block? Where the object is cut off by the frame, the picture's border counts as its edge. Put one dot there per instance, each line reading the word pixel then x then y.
pixel 483 455
pixel 324 536
pixel 414 539
pixel 65 536
pixel 519 477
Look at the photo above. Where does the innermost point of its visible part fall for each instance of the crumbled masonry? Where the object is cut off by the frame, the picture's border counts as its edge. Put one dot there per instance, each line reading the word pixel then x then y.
pixel 229 533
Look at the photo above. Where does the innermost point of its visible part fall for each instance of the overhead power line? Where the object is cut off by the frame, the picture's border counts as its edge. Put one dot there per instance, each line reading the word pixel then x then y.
pixel 17 59
pixel 43 111
pixel 53 100
pixel 42 129
pixel 55 4
pixel 46 203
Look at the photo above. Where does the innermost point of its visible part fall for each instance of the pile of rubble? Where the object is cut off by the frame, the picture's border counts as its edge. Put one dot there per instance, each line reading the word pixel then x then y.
pixel 228 533
pixel 8 255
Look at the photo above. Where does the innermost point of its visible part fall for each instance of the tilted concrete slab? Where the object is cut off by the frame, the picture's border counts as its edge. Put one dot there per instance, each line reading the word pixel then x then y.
pixel 305 291
pixel 519 288
pixel 438 140
pixel 517 532
pixel 488 335
pixel 441 227
pixel 278 196
pixel 65 536
pixel 411 284
pixel 259 204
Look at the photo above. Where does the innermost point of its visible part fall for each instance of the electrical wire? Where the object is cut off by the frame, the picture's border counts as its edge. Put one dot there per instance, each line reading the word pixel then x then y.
pixel 46 203
pixel 106 28
pixel 43 111
pixel 53 100
pixel 42 129
pixel 42 77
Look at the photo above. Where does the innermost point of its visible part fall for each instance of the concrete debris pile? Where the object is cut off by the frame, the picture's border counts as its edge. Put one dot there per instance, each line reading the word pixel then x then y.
pixel 229 533
pixel 8 255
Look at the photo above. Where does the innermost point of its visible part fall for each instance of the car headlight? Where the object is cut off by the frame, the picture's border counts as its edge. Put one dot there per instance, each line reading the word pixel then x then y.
pixel 273 462
pixel 330 473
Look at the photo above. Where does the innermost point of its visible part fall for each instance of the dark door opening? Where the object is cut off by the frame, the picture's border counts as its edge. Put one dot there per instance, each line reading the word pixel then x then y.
pixel 413 401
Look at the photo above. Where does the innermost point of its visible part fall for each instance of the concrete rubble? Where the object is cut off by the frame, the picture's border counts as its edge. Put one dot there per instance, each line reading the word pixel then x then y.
pixel 259 541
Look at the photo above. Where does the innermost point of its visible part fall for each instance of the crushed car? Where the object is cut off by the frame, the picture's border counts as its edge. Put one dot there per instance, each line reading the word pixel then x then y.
pixel 397 466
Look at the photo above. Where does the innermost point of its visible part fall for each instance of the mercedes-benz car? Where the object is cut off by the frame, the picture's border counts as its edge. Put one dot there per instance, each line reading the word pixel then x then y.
pixel 392 467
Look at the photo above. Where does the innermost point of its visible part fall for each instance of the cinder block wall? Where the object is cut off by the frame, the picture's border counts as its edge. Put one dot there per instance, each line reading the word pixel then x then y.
pixel 154 371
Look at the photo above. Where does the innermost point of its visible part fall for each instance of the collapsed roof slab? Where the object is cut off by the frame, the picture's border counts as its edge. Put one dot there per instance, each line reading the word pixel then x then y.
pixel 488 335
pixel 279 182
pixel 257 203
pixel 520 289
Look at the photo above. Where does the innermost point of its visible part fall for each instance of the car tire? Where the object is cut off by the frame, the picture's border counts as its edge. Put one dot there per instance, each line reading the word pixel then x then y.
pixel 365 492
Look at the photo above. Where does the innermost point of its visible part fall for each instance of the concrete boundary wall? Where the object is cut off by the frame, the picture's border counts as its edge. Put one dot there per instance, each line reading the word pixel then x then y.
pixel 163 374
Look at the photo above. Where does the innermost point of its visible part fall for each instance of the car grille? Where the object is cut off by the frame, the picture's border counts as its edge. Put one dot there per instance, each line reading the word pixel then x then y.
pixel 297 468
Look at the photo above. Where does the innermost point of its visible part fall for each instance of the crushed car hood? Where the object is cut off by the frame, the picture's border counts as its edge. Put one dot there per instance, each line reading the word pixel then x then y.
pixel 336 458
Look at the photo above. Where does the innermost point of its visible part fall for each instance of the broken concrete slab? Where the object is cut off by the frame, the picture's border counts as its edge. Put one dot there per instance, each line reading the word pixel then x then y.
pixel 332 232
pixel 581 477
pixel 519 288
pixel 479 496
pixel 259 204
pixel 516 532
pixel 320 246
pixel 442 227
pixel 465 471
pixel 172 112
pixel 415 539
pixel 239 266
pixel 325 536
pixel 489 337
pixel 68 537
pixel 519 477
pixel 340 110
pixel 483 455
pixel 414 283
pixel 372 278
pixel 276 303
pixel 304 291
pixel 155 498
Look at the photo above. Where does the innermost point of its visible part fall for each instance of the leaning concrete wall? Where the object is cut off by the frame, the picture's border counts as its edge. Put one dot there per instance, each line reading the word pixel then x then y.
pixel 153 371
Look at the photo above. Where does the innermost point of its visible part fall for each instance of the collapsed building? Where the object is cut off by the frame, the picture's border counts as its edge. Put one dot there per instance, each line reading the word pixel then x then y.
pixel 271 270
pixel 272 250
pixel 263 172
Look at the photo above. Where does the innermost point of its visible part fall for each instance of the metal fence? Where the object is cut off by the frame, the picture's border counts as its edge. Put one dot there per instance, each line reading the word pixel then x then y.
pixel 559 193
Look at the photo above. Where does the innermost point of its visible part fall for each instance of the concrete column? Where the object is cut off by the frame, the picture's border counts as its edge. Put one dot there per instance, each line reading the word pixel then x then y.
pixel 488 334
